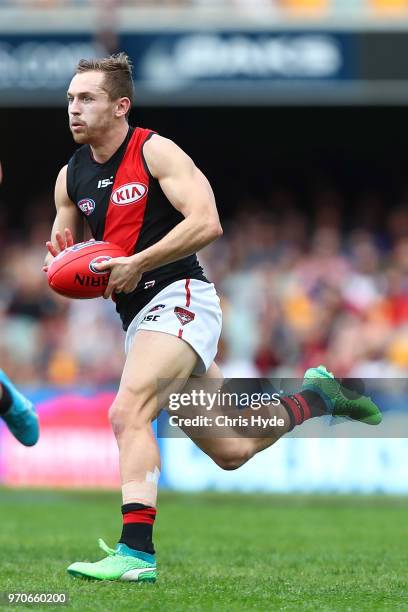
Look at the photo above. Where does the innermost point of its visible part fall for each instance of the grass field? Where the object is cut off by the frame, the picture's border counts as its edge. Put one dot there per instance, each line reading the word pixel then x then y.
pixel 216 551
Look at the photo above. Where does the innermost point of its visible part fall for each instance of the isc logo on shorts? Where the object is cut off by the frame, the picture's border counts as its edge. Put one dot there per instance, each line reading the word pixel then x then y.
pixel 151 317
pixel 128 194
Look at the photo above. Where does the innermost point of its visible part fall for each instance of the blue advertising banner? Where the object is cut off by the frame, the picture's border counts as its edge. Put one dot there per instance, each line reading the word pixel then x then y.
pixel 184 65
pixel 30 63
pixel 222 67
pixel 174 60
pixel 77 449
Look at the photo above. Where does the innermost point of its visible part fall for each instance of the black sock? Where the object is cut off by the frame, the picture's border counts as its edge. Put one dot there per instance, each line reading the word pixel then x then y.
pixel 6 400
pixel 137 531
pixel 303 406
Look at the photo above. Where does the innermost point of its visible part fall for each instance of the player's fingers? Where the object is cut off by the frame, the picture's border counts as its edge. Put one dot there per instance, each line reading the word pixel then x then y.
pixel 128 288
pixel 60 240
pixel 104 265
pixel 51 248
pixel 111 287
pixel 108 292
pixel 45 268
pixel 131 285
pixel 69 239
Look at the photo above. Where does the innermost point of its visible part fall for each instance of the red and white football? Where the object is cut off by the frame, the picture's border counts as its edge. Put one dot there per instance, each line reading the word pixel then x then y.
pixel 72 272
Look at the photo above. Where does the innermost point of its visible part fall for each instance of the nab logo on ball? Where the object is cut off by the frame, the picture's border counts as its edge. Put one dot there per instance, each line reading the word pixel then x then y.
pixel 87 206
pixel 99 260
pixel 128 194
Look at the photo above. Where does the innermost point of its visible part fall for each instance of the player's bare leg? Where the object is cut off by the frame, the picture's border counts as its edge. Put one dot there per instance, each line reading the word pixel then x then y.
pixel 153 357
pixel 234 448
pixel 231 447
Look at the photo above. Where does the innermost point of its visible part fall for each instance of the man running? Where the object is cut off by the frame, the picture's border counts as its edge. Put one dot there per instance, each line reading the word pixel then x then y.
pixel 136 189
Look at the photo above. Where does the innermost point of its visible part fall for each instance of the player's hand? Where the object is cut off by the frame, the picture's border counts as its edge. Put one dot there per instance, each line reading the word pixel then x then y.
pixel 64 242
pixel 124 276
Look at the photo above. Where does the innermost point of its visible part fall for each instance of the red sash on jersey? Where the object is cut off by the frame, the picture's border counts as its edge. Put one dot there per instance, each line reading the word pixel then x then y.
pixel 127 204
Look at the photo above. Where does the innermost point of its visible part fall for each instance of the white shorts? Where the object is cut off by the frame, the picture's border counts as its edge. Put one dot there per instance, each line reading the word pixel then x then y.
pixel 189 309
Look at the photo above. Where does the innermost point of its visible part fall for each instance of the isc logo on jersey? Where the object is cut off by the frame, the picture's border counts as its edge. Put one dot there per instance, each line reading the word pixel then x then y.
pixel 128 194
pixel 87 206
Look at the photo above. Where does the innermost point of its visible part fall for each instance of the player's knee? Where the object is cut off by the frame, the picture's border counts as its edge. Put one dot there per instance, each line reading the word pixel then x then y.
pixel 232 459
pixel 118 417
pixel 127 414
pixel 229 463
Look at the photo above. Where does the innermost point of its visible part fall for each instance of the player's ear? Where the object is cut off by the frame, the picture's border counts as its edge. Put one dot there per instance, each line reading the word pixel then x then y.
pixel 122 107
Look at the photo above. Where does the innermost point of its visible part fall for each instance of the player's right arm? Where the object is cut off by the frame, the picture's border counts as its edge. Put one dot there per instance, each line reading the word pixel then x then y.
pixel 68 226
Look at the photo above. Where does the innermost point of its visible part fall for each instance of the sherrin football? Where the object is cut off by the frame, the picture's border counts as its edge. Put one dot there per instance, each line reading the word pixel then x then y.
pixel 72 272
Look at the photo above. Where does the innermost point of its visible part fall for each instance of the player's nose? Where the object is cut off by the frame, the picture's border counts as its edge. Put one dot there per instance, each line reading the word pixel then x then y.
pixel 74 108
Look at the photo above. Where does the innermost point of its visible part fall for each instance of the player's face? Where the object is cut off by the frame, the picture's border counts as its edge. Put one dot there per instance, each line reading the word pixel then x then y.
pixel 91 111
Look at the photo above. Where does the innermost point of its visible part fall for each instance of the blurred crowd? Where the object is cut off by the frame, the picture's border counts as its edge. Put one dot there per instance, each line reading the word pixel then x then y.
pixel 297 288
pixel 318 5
pixel 153 3
pixel 107 9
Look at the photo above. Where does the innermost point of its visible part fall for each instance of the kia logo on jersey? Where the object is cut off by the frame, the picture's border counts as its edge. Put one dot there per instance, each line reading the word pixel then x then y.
pixel 87 206
pixel 128 194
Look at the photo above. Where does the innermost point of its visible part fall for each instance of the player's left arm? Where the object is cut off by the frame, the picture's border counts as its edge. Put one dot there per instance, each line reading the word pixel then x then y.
pixel 188 190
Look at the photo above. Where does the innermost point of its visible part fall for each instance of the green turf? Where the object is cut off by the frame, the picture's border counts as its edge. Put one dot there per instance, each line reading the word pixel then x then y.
pixel 216 552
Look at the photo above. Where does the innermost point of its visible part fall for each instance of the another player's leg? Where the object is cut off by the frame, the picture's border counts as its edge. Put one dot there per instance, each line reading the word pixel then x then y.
pixel 153 358
pixel 18 413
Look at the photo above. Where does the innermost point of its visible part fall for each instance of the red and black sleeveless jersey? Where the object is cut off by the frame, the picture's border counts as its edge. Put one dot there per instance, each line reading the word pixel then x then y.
pixel 124 204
